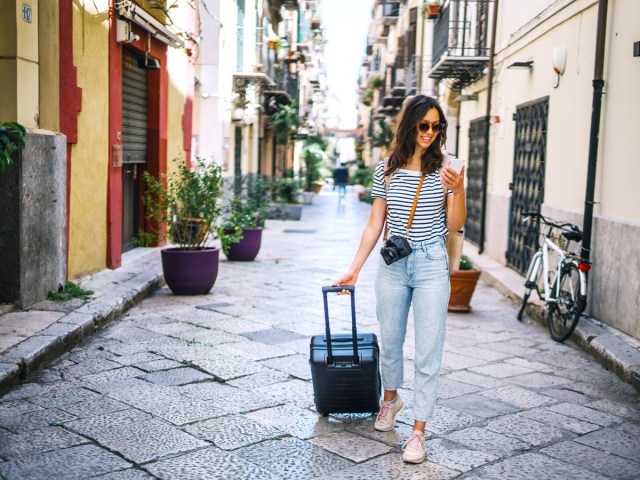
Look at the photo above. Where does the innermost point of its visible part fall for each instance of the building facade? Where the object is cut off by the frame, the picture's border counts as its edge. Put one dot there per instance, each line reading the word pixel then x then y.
pixel 116 79
pixel 516 80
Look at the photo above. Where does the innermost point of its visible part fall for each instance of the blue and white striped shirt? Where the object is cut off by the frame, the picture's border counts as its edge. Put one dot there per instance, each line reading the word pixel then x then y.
pixel 429 219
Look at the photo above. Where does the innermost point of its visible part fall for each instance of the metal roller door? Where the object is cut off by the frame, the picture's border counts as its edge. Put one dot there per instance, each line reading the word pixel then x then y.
pixel 134 146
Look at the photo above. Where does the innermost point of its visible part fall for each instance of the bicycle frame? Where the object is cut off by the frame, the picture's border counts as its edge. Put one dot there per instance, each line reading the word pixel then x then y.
pixel 542 256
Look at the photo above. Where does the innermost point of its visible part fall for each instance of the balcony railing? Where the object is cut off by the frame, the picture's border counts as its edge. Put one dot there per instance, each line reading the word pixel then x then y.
pixel 460 51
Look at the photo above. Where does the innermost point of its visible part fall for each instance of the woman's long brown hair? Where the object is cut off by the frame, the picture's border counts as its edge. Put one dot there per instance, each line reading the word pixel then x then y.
pixel 404 141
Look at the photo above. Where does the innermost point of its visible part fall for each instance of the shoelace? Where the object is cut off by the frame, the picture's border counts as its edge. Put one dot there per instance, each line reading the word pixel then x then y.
pixel 415 436
pixel 384 408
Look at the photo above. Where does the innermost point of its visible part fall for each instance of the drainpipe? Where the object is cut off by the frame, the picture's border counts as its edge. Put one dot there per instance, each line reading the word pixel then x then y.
pixel 487 127
pixel 596 107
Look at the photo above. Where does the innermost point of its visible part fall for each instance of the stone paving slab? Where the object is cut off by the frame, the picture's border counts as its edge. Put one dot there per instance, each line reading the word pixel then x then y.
pixel 73 463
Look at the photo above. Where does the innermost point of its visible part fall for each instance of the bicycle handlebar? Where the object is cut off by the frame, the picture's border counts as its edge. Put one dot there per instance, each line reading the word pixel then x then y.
pixel 551 222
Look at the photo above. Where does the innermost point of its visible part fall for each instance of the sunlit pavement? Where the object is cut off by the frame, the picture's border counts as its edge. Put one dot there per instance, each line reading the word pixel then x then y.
pixel 219 386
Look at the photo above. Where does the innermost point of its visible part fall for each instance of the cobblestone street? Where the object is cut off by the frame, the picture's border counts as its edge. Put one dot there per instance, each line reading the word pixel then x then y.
pixel 219 386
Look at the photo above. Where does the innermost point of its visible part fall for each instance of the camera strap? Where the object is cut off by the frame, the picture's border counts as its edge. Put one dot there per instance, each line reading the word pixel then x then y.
pixel 387 180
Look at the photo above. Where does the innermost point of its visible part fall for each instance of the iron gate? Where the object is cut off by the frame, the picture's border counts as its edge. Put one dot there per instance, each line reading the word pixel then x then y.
pixel 527 187
pixel 475 180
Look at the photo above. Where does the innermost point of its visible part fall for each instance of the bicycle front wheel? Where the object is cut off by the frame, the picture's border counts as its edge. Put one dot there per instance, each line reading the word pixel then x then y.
pixel 565 313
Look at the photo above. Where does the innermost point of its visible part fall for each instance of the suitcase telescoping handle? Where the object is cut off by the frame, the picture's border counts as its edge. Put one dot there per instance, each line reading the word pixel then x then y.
pixel 354 330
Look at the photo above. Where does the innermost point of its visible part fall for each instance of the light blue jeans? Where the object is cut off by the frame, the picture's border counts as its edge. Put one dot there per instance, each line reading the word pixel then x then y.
pixel 421 280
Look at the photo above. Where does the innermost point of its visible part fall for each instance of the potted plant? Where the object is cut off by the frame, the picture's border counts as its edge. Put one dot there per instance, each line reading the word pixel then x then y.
pixel 241 230
pixel 240 234
pixel 11 138
pixel 185 206
pixel 431 8
pixel 286 191
pixel 463 284
pixel 376 82
pixel 314 159
pixel 368 97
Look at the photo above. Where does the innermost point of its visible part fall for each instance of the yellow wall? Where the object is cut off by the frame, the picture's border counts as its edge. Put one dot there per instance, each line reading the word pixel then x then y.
pixel 178 70
pixel 90 157
pixel 19 67
pixel 49 49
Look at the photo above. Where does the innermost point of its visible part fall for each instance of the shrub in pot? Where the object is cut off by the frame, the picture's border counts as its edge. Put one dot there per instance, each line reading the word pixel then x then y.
pixel 185 206
pixel 240 234
pixel 286 191
pixel 463 284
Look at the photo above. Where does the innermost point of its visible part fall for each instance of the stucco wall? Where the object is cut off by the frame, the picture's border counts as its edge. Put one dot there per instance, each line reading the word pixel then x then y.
pixel 90 156
pixel 532 35
pixel 177 95
pixel 19 63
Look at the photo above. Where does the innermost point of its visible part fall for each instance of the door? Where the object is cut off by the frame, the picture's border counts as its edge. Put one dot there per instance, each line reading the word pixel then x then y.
pixel 475 180
pixel 134 146
pixel 527 186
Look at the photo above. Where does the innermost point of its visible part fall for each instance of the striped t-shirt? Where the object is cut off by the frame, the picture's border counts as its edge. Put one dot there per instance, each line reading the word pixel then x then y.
pixel 429 219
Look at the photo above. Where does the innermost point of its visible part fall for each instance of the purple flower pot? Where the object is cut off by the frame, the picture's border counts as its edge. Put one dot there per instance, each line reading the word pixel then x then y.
pixel 190 272
pixel 248 248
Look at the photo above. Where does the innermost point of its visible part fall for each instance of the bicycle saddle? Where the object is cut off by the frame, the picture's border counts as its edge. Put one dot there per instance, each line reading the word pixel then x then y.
pixel 571 235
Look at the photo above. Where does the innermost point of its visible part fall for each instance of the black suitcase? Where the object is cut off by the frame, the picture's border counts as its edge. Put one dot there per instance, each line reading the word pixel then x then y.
pixel 344 368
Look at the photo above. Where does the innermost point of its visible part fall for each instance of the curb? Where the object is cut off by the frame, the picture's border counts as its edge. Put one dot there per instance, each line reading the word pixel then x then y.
pixel 615 350
pixel 22 360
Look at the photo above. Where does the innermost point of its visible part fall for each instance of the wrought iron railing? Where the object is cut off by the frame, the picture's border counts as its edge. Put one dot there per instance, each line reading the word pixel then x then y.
pixel 461 30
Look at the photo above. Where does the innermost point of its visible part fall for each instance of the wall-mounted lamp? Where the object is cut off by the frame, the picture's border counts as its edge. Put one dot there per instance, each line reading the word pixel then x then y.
pixel 238 115
pixel 528 65
pixel 147 62
pixel 559 59
pixel 467 98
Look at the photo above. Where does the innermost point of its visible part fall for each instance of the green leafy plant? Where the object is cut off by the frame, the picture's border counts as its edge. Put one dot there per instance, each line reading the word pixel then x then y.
pixel 368 97
pixel 240 217
pixel 375 82
pixel 284 121
pixel 314 160
pixel 11 138
pixel 69 292
pixel 184 205
pixel 465 263
pixel 287 188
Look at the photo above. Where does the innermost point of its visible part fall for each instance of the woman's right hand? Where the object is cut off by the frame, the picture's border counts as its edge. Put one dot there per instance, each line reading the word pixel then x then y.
pixel 348 278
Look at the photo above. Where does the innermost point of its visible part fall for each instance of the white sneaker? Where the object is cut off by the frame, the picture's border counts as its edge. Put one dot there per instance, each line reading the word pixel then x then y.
pixel 386 419
pixel 415 449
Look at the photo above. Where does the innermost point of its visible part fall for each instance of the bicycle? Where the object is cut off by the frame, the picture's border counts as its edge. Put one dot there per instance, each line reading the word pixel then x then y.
pixel 564 289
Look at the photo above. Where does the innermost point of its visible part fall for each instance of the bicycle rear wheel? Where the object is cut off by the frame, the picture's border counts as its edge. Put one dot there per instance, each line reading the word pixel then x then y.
pixel 564 315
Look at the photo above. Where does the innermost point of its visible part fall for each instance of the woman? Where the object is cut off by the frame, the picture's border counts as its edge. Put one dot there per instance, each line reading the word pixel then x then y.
pixel 420 279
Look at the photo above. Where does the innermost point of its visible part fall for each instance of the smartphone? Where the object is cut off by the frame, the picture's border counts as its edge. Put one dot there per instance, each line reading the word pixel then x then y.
pixel 456 164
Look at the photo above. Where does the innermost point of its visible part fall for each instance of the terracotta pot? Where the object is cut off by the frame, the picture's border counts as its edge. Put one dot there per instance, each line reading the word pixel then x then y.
pixel 316 187
pixel 190 272
pixel 248 248
pixel 433 11
pixel 463 284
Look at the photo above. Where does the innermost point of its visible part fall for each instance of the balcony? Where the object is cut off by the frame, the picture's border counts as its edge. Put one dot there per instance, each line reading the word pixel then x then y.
pixel 460 51
pixel 390 12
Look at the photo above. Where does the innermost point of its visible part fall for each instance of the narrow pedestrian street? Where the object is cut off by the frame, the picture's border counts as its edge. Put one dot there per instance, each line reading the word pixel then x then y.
pixel 219 386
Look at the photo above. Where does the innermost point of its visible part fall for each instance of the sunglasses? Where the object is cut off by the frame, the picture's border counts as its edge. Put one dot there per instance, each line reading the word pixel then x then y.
pixel 424 127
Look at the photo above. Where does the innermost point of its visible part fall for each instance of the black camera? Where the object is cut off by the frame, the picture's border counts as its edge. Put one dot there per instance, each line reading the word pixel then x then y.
pixel 395 248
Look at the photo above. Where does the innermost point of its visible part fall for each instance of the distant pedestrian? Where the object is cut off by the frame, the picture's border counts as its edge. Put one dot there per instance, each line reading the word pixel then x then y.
pixel 340 179
pixel 421 277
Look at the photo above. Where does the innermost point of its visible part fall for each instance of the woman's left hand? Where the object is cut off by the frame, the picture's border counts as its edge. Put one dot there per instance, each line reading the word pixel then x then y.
pixel 452 180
